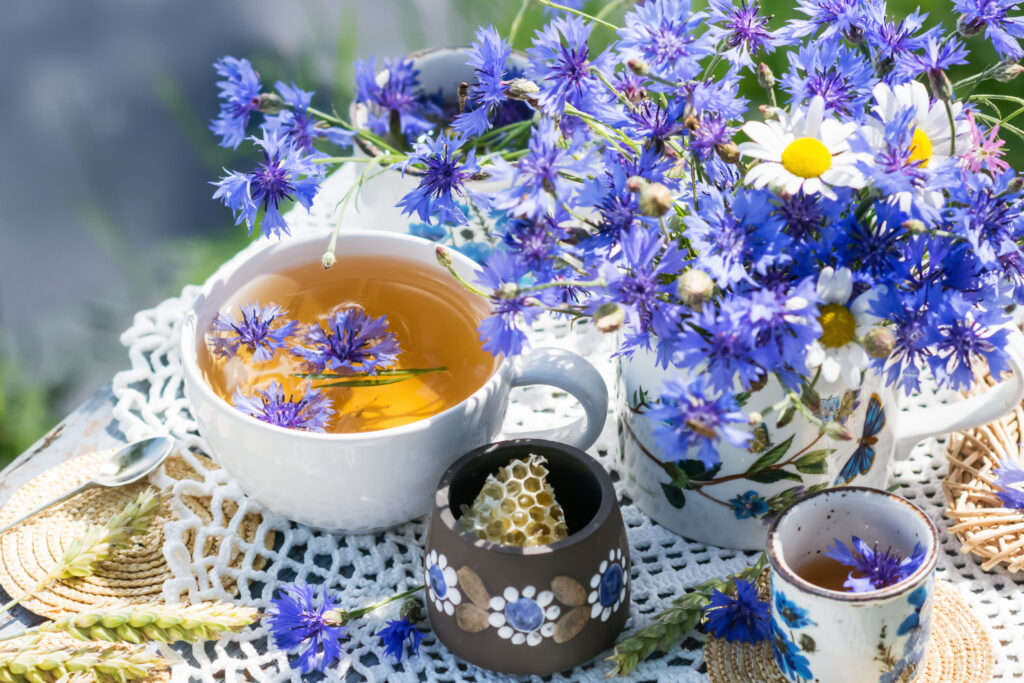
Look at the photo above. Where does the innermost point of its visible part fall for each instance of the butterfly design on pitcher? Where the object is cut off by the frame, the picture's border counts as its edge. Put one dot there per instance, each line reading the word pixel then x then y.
pixel 864 457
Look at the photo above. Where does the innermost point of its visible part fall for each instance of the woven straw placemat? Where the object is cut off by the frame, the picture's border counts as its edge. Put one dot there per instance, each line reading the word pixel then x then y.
pixel 136 574
pixel 959 652
pixel 985 528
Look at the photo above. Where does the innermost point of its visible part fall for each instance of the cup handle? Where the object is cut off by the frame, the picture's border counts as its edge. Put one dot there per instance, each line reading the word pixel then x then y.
pixel 921 423
pixel 573 373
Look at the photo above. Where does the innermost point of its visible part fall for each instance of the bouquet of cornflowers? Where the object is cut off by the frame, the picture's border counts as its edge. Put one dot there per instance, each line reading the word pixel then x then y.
pixel 860 219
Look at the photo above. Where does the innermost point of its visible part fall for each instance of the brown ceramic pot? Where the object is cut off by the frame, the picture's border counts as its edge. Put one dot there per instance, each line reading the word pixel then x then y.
pixel 534 610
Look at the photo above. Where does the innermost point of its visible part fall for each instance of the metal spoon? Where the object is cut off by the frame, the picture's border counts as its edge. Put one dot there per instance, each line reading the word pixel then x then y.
pixel 126 465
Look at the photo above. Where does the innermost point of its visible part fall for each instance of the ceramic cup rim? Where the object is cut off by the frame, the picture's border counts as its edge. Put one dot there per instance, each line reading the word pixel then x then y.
pixel 779 565
pixel 371 149
pixel 190 336
pixel 442 498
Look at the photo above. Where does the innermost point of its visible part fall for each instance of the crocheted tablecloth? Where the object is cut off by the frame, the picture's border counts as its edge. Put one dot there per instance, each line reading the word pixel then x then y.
pixel 362 569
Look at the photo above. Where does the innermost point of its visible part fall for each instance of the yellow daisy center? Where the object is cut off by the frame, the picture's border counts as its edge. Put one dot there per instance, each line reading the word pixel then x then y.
pixel 806 157
pixel 837 325
pixel 921 147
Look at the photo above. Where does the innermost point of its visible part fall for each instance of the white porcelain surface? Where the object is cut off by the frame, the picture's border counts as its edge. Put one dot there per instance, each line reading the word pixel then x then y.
pixel 838 637
pixel 357 483
pixel 710 517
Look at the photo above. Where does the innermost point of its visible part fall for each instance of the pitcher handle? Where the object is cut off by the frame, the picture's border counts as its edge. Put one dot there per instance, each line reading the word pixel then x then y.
pixel 920 423
pixel 573 373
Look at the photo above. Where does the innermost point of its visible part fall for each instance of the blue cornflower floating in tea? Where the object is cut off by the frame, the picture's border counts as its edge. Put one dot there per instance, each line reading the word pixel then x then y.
pixel 310 411
pixel 1009 477
pixel 352 341
pixel 395 633
pixel 296 622
pixel 743 617
pixel 262 329
pixel 873 569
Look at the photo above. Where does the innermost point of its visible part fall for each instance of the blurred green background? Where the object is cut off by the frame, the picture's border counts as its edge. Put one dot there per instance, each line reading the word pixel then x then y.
pixel 106 195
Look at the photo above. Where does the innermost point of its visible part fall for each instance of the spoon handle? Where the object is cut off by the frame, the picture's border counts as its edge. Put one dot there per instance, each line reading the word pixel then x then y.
pixel 70 494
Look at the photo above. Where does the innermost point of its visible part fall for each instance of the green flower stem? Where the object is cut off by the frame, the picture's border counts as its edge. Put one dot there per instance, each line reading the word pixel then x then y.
pixel 370 172
pixel 952 127
pixel 609 8
pixel 365 134
pixel 446 262
pixel 363 611
pixel 603 131
pixel 383 159
pixel 365 379
pixel 514 29
pixel 591 17
pixel 599 282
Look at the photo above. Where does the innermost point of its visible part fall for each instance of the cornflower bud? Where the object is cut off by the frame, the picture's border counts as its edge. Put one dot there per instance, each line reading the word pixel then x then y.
pixel 765 76
pixel 271 103
pixel 609 317
pixel 412 609
pixel 914 226
pixel 729 152
pixel 1015 185
pixel 328 260
pixel 634 183
pixel 655 200
pixel 879 342
pixel 521 89
pixel 1007 72
pixel 443 257
pixel 769 112
pixel 942 89
pixel 694 287
pixel 639 67
pixel 691 122
pixel 755 417
pixel 968 28
pixel 508 290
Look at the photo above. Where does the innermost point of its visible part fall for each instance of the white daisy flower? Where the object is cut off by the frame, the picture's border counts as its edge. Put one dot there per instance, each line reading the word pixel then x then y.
pixel 440 579
pixel 837 352
pixel 803 151
pixel 931 137
pixel 608 586
pixel 526 617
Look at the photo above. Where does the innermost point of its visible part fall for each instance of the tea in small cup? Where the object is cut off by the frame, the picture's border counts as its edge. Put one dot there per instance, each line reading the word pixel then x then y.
pixel 852 580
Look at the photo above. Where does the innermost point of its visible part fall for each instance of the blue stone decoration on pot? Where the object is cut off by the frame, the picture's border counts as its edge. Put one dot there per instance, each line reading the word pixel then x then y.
pixel 441 580
pixel 524 616
pixel 608 587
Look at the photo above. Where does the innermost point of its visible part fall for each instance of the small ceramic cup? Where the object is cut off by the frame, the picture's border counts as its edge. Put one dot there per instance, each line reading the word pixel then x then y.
pixel 535 610
pixel 838 637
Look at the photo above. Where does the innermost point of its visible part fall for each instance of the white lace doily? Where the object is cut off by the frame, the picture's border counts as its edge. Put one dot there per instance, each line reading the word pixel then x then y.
pixel 363 569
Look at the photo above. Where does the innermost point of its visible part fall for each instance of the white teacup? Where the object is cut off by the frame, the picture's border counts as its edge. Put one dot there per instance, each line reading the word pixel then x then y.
pixel 832 636
pixel 362 482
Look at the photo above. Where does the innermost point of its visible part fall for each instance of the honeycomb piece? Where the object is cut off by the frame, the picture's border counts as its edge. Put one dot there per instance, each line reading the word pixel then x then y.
pixel 517 506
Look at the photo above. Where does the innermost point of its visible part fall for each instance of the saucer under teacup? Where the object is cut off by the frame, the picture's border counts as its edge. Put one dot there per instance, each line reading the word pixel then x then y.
pixel 960 649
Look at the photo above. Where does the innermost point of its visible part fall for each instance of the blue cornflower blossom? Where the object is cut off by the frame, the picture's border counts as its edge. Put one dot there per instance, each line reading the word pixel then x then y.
pixel 488 56
pixel 395 633
pixel 260 330
pixel 535 183
pixel 535 244
pixel 968 333
pixel 783 322
pixel 299 126
pixel 733 238
pixel 398 93
pixel 560 64
pixel 512 311
pixel 663 35
pixel 990 15
pixel 934 60
pixel 838 18
pixel 296 622
pixel 352 341
pixel 1009 477
pixel 874 569
pixel 743 29
pixel 718 341
pixel 443 179
pixel 915 332
pixel 742 618
pixel 838 74
pixel 988 214
pixel 240 92
pixel 876 249
pixel 639 284
pixel 310 412
pixel 688 416
pixel 285 173
pixel 809 219
pixel 890 38
pixel 650 120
